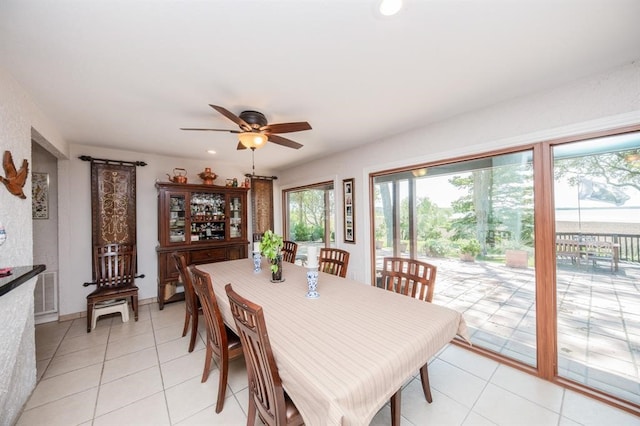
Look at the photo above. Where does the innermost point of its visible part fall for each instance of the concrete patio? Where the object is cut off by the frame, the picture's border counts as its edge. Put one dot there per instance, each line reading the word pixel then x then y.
pixel 598 317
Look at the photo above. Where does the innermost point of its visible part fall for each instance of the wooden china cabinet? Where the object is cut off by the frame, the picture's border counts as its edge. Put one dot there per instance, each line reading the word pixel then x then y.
pixel 206 223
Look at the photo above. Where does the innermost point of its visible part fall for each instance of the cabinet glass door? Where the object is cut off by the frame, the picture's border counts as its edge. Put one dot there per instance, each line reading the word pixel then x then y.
pixel 207 216
pixel 177 224
pixel 235 217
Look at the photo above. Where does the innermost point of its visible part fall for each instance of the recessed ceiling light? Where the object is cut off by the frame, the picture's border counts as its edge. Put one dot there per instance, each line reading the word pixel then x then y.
pixel 390 7
pixel 211 151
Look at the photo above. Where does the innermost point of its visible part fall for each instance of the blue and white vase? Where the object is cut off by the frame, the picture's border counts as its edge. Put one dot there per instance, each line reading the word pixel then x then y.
pixel 257 262
pixel 312 282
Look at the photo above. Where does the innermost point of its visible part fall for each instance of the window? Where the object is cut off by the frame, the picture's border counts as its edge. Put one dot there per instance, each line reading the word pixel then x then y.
pixel 309 216
pixel 469 218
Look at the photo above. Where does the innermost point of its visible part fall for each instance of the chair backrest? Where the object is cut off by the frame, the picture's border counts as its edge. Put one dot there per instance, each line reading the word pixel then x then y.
pixel 114 264
pixel 216 332
pixel 191 299
pixel 409 277
pixel 289 251
pixel 264 381
pixel 333 261
pixel 567 247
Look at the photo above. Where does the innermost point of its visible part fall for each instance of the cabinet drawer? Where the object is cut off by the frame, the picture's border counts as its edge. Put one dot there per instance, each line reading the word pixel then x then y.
pixel 208 255
pixel 236 252
pixel 170 272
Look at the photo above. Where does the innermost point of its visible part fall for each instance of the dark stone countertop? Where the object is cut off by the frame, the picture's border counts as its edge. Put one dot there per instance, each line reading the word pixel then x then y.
pixel 19 275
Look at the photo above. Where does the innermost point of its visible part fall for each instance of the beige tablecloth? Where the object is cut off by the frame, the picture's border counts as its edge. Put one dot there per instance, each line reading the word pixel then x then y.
pixel 343 355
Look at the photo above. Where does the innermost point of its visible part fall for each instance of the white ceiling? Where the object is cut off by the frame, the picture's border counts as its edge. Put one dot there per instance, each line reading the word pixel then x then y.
pixel 128 74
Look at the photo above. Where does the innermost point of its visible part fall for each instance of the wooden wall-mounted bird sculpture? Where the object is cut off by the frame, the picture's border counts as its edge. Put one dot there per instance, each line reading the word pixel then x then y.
pixel 14 179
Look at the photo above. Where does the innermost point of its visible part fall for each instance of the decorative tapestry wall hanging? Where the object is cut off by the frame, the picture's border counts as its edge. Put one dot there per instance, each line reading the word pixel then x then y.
pixel 113 201
pixel 261 204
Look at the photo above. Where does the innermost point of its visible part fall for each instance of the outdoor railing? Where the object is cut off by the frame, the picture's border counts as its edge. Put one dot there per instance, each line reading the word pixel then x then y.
pixel 629 250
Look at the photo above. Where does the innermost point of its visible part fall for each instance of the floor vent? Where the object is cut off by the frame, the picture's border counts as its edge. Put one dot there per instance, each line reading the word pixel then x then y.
pixel 46 294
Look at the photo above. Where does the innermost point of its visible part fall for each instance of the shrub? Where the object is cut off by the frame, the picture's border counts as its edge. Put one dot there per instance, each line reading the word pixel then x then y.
pixel 471 247
pixel 437 247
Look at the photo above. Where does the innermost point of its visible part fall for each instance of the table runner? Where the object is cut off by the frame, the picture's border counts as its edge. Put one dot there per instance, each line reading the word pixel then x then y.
pixel 343 355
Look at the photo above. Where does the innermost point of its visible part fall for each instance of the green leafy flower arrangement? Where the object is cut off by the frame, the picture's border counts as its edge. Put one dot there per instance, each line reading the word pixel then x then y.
pixel 270 247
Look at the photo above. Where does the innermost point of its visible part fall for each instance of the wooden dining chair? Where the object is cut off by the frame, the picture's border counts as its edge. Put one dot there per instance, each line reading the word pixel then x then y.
pixel 267 397
pixel 409 277
pixel 333 261
pixel 221 341
pixel 415 279
pixel 192 306
pixel 115 267
pixel 289 251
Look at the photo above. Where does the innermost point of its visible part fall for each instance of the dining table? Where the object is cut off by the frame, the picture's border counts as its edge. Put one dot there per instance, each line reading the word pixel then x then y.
pixel 342 355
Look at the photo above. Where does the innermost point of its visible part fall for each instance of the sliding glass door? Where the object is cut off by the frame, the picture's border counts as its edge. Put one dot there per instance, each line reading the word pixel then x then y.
pixel 473 220
pixel 539 249
pixel 597 223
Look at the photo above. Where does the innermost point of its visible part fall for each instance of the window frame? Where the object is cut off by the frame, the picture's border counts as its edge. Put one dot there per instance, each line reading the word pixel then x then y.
pixel 324 185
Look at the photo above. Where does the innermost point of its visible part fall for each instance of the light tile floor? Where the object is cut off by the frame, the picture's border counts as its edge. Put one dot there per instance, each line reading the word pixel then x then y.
pixel 140 373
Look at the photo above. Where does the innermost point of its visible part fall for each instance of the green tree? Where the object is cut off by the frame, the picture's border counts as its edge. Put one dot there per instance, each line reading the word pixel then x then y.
pixel 498 199
pixel 307 214
pixel 619 169
pixel 432 220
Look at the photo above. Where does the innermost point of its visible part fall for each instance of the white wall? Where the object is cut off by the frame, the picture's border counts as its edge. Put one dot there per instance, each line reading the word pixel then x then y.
pixel 18 115
pixel 75 226
pixel 45 231
pixel 605 101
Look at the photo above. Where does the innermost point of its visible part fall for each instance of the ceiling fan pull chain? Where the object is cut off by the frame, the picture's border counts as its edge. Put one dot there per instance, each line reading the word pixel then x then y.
pixel 253 162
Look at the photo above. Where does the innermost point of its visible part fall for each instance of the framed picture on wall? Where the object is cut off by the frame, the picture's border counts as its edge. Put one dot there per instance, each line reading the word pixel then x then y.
pixel 349 212
pixel 40 195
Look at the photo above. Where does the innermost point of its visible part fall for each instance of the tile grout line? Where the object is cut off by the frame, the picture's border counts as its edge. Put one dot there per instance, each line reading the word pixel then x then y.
pixel 164 390
pixel 104 360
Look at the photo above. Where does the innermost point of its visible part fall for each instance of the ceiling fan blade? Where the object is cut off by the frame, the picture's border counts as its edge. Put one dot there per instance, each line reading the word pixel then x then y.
pixel 231 116
pixel 286 127
pixel 284 141
pixel 240 146
pixel 211 130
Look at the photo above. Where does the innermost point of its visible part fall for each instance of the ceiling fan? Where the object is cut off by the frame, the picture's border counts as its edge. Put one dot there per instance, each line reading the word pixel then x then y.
pixel 255 131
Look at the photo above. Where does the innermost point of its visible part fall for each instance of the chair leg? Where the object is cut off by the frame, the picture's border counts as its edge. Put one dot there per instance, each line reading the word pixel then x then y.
pixel 395 408
pixel 186 322
pixel 251 416
pixel 207 363
pixel 89 316
pixel 135 306
pixel 222 382
pixel 424 377
pixel 194 330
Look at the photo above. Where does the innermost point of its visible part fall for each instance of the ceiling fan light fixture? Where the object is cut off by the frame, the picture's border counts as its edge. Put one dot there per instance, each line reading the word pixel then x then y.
pixel 252 139
pixel 419 172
